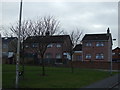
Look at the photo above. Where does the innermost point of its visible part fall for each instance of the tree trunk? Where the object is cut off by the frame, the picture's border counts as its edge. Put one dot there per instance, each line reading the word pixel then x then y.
pixel 72 69
pixel 43 66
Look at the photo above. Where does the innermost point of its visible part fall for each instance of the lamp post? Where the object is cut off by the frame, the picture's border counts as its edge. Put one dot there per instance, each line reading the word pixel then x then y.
pixel 18 47
pixel 111 62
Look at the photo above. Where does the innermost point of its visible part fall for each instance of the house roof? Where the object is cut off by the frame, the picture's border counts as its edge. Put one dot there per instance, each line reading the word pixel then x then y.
pixel 7 39
pixel 78 47
pixel 96 36
pixel 48 39
pixel 117 48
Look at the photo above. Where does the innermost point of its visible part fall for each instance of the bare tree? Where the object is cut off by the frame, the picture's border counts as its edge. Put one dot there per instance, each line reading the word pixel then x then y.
pixel 26 31
pixel 42 29
pixel 75 36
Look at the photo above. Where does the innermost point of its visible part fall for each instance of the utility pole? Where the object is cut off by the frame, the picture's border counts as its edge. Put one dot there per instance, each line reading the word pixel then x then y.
pixel 18 47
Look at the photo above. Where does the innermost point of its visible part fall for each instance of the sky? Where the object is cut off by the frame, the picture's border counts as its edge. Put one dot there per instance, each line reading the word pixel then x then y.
pixel 89 17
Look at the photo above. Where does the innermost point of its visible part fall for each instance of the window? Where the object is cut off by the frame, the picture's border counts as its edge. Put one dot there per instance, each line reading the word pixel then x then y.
pixel 88 44
pixel 26 46
pixel 113 53
pixel 99 56
pixel 34 45
pixel 58 45
pixel 58 55
pixel 4 45
pixel 78 58
pixel 99 44
pixel 50 45
pixel 48 55
pixel 88 56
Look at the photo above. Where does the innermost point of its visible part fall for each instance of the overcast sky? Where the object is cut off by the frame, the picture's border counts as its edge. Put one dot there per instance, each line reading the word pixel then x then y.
pixel 90 17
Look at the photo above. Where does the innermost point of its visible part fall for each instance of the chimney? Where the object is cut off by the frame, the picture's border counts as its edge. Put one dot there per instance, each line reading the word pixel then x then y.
pixel 108 31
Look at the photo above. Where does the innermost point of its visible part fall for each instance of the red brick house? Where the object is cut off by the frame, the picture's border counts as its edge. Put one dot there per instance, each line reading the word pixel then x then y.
pixel 116 54
pixel 97 47
pixel 77 55
pixel 57 50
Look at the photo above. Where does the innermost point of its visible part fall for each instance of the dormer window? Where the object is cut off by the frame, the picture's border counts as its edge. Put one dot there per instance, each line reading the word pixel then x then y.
pixel 49 45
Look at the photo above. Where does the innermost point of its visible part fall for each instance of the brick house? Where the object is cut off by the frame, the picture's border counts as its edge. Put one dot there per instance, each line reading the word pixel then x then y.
pixel 77 55
pixel 9 47
pixel 116 54
pixel 58 47
pixel 97 47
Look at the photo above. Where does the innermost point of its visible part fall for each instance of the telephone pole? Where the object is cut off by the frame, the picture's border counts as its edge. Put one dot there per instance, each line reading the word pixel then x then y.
pixel 18 47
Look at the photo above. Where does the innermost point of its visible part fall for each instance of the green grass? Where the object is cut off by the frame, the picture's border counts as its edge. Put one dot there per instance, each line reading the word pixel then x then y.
pixel 55 77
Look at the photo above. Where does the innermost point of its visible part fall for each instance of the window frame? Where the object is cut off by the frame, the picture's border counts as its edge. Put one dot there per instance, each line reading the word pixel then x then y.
pixel 99 56
pixel 50 45
pixel 88 44
pixel 58 57
pixel 88 56
pixel 58 45
pixel 99 44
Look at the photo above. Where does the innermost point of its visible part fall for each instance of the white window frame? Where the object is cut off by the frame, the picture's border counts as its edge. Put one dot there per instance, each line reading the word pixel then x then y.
pixel 88 56
pixel 58 45
pixel 100 56
pixel 99 44
pixel 88 44
pixel 49 45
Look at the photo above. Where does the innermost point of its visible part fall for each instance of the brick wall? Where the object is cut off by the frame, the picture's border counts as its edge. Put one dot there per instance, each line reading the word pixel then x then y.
pixel 93 50
pixel 95 65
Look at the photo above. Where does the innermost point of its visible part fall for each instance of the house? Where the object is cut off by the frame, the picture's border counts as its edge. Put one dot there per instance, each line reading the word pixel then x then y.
pixel 9 47
pixel 116 54
pixel 57 51
pixel 77 55
pixel 97 47
pixel 0 49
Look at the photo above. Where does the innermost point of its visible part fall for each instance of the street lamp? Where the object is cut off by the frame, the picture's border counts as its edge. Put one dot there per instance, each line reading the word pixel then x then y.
pixel 18 47
pixel 111 61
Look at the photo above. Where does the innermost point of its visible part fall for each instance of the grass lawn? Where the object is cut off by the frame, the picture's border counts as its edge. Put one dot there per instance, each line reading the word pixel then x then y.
pixel 56 77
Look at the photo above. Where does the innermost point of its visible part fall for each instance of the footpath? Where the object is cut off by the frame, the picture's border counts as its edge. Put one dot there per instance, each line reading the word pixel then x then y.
pixel 110 82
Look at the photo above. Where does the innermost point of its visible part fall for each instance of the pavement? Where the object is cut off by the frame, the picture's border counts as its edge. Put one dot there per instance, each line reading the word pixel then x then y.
pixel 110 82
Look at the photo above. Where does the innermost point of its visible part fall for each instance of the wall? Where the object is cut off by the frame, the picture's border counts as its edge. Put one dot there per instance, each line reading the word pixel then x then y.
pixel 96 65
pixel 93 50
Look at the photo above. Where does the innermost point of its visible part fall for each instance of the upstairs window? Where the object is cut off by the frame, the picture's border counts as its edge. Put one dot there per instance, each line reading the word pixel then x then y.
pixel 98 44
pixel 88 56
pixel 99 56
pixel 50 45
pixel 58 45
pixel 88 44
